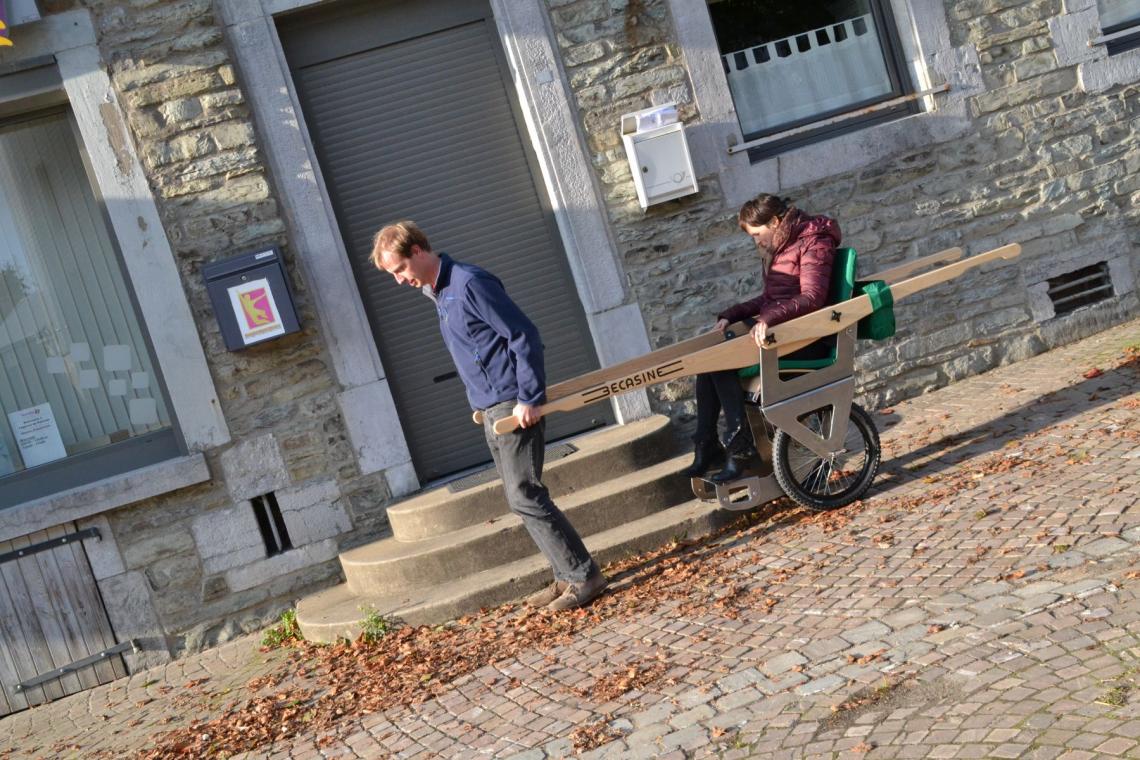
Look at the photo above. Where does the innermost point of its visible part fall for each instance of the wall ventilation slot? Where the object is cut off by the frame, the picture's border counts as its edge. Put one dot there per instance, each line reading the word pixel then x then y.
pixel 1082 287
pixel 271 524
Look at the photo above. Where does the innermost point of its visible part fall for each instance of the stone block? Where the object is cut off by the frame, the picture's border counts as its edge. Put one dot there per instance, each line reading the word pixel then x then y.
pixel 102 553
pixel 130 610
pixel 374 427
pixel 1105 546
pixel 147 548
pixel 266 570
pixel 783 663
pixel 254 467
pixel 866 632
pixel 228 538
pixel 313 512
pixel 821 685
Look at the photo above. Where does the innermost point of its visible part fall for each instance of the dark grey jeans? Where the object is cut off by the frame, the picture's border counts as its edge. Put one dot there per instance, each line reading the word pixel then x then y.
pixel 518 458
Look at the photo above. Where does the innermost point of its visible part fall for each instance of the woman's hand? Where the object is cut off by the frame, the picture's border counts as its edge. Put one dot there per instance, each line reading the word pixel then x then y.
pixel 721 325
pixel 759 332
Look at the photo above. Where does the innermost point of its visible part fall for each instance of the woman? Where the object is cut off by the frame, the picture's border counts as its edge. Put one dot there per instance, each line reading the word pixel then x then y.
pixel 797 252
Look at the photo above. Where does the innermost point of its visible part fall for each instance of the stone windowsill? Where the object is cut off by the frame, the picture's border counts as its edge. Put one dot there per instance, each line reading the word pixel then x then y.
pixel 103 495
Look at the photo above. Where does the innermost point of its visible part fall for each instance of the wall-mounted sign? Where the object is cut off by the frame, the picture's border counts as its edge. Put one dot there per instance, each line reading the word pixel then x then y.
pixel 256 311
pixel 251 298
pixel 37 435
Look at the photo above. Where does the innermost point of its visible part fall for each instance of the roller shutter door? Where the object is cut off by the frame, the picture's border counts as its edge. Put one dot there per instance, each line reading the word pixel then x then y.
pixel 412 116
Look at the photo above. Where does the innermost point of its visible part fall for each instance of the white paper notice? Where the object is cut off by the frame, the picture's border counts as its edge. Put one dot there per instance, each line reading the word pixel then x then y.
pixel 88 378
pixel 116 358
pixel 117 387
pixel 80 352
pixel 56 365
pixel 144 411
pixel 37 435
pixel 140 380
pixel 255 311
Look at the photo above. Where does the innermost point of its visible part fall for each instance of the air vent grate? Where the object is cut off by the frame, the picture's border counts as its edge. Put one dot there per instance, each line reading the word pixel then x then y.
pixel 271 524
pixel 1082 287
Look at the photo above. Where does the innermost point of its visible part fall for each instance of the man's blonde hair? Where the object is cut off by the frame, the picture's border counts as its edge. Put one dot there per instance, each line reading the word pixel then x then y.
pixel 398 237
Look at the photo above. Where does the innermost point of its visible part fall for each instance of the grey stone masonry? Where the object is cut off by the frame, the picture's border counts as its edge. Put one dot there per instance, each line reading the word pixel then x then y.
pixel 1044 163
pixel 197 551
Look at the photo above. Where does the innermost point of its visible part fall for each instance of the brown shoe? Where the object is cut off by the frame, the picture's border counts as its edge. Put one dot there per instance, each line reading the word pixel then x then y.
pixel 547 595
pixel 580 594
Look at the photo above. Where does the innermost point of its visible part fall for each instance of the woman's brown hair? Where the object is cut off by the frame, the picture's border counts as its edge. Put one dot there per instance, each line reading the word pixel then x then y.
pixel 762 209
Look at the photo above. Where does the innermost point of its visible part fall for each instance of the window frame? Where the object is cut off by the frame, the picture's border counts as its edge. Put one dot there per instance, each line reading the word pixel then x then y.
pixel 901 85
pixel 116 458
pixel 66 42
pixel 1124 43
pixel 947 76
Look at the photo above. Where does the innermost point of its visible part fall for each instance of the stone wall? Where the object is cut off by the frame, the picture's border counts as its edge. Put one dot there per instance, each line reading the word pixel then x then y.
pixel 1046 165
pixel 199 549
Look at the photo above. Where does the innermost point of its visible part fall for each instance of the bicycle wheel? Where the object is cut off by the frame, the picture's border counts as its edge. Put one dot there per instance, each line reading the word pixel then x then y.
pixel 823 483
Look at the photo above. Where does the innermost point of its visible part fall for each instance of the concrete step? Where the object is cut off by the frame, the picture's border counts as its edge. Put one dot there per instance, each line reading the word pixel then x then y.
pixel 337 612
pixel 601 456
pixel 390 566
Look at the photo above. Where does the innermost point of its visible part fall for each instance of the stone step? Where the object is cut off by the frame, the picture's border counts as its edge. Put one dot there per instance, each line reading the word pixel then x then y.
pixel 601 456
pixel 388 566
pixel 337 612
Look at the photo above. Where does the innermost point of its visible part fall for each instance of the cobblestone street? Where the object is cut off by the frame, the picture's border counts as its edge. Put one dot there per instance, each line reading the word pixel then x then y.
pixel 984 601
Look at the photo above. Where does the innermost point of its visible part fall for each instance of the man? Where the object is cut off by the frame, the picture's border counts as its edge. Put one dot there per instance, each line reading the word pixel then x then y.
pixel 498 354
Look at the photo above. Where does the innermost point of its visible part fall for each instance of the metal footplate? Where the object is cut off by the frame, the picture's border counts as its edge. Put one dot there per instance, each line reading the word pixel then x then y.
pixel 740 495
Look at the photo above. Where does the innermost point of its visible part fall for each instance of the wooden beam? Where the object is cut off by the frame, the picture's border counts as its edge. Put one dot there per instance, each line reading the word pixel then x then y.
pixel 712 352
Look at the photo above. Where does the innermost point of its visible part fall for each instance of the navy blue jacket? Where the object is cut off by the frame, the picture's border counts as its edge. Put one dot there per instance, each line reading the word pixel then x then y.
pixel 496 349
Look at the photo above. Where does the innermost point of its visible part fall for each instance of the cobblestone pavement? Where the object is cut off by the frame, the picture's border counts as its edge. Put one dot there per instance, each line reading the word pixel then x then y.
pixel 983 602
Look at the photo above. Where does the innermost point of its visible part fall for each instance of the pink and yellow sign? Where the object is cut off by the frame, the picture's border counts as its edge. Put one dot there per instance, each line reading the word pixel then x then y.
pixel 256 311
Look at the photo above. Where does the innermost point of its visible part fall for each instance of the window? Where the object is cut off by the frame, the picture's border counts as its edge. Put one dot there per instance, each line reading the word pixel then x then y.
pixel 792 64
pixel 79 394
pixel 1120 17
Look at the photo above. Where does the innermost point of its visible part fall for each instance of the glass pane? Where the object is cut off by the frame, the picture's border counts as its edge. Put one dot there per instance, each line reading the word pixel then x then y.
pixel 75 373
pixel 788 62
pixel 1122 13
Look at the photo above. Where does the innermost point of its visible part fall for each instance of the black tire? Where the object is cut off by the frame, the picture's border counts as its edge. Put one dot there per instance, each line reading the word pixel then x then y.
pixel 821 485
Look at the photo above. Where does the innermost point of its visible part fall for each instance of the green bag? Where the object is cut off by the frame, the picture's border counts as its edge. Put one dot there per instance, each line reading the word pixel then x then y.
pixel 880 323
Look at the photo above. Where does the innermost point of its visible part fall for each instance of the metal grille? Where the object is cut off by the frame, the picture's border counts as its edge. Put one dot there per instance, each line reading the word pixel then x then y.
pixel 271 523
pixel 1080 288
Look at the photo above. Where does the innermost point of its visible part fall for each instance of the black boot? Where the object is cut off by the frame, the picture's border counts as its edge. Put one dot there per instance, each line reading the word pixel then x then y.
pixel 741 455
pixel 707 454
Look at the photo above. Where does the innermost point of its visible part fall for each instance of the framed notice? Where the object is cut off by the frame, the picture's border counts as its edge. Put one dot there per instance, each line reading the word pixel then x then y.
pixel 37 435
pixel 256 311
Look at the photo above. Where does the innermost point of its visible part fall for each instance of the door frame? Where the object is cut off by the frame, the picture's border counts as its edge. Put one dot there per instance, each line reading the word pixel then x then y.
pixel 544 96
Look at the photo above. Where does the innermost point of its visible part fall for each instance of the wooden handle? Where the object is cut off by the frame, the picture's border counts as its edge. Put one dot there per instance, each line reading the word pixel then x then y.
pixel 796 333
pixel 900 271
pixel 508 424
pixel 660 356
pixel 477 417
pixel 713 351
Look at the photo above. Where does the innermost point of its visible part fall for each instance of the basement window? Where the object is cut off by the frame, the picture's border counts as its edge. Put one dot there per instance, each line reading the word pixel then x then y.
pixel 271 524
pixel 1082 287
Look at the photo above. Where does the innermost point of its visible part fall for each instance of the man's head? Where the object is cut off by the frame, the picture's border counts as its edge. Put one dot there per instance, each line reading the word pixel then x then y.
pixel 403 251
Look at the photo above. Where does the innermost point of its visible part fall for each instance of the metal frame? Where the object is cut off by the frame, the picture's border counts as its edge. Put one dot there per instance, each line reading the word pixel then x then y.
pixel 776 402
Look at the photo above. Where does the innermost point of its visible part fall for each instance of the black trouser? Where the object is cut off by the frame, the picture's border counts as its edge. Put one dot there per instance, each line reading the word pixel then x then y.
pixel 718 391
pixel 519 457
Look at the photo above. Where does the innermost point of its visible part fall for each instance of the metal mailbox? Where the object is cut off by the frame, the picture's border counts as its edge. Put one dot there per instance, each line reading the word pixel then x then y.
pixel 251 298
